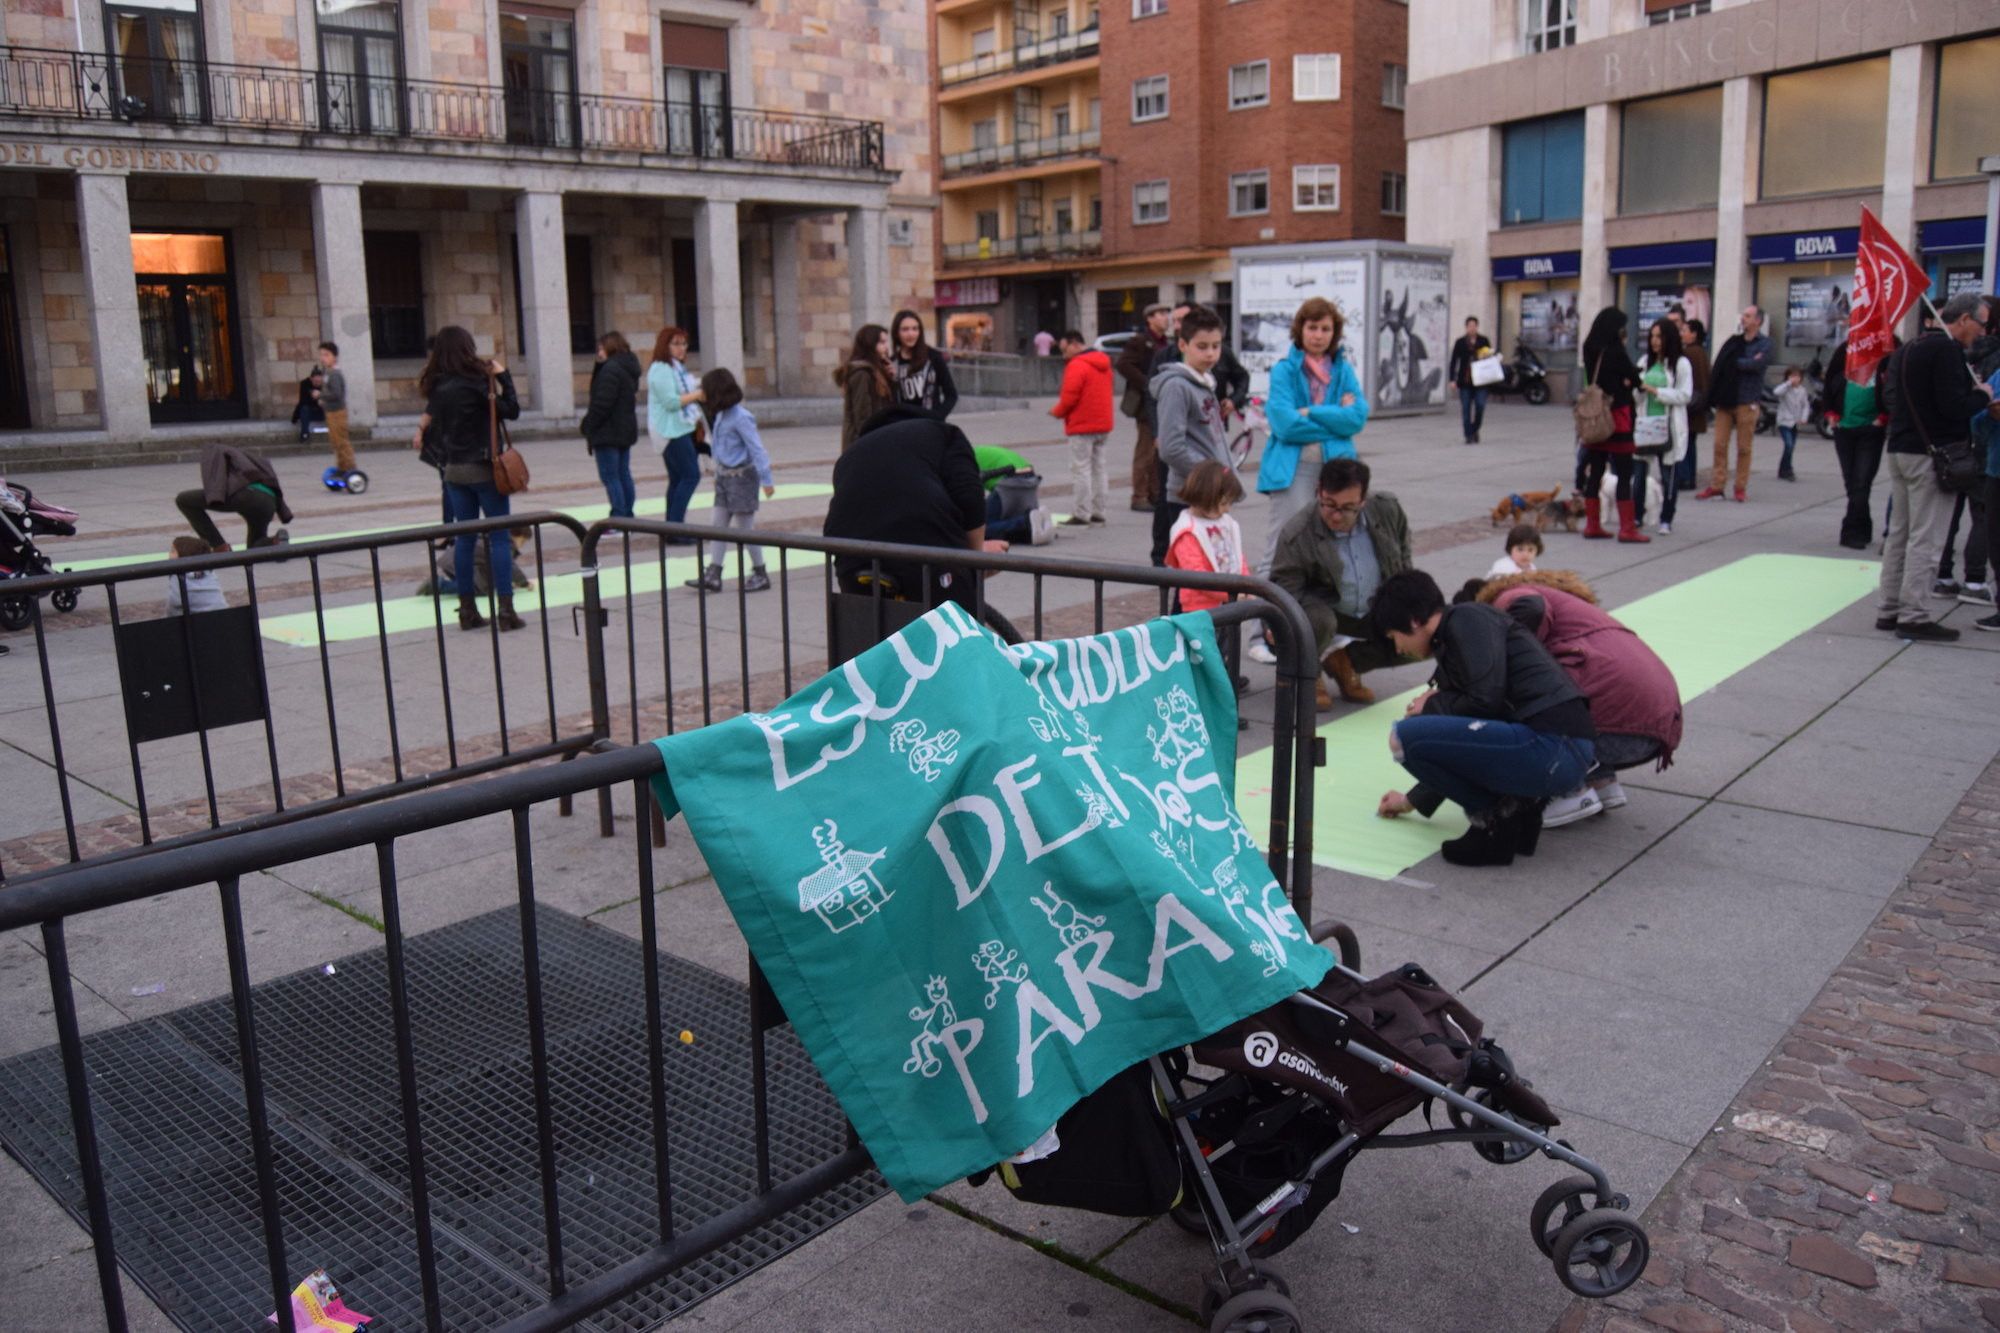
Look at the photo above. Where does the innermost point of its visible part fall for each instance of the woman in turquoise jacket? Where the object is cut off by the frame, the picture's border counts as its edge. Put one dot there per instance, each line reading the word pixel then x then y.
pixel 1316 408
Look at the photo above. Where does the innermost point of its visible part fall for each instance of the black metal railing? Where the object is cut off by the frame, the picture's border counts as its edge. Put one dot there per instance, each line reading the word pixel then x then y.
pixel 85 86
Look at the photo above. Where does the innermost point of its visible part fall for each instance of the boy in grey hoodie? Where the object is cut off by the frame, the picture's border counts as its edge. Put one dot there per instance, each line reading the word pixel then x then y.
pixel 1189 420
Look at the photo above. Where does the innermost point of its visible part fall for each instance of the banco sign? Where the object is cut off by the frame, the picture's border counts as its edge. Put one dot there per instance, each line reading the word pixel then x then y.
pixel 1814 247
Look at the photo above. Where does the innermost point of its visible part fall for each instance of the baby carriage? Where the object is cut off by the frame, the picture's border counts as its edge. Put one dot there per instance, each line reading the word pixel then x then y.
pixel 22 518
pixel 1250 1150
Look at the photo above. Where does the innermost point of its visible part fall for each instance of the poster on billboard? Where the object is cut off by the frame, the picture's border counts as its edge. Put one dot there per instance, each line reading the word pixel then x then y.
pixel 1816 311
pixel 1412 337
pixel 1270 291
pixel 1654 302
pixel 1548 321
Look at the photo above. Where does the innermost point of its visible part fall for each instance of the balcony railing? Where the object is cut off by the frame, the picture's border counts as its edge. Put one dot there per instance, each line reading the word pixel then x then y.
pixel 1047 244
pixel 76 86
pixel 1022 55
pixel 995 157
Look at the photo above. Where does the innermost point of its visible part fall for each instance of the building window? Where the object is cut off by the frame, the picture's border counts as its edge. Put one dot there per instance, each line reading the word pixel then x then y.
pixel 1672 152
pixel 986 133
pixel 1250 85
pixel 1059 24
pixel 1395 194
pixel 687 289
pixel 1149 98
pixel 1249 193
pixel 1316 78
pixel 1059 122
pixel 1666 11
pixel 582 279
pixel 1547 24
pixel 395 292
pixel 1065 218
pixel 538 71
pixel 1541 173
pixel 1968 106
pixel 1096 212
pixel 1316 189
pixel 157 58
pixel 1145 9
pixel 1395 85
pixel 986 224
pixel 1149 202
pixel 697 83
pixel 360 63
pixel 1824 129
pixel 982 43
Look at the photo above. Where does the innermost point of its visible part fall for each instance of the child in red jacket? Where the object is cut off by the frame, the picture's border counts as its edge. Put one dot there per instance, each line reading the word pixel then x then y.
pixel 1205 537
pixel 1084 408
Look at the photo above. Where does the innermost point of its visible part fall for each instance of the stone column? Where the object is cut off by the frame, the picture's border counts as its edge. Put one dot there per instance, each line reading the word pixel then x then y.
pixel 788 353
pixel 719 269
pixel 1911 93
pixel 1734 286
pixel 1595 289
pixel 342 269
pixel 868 265
pixel 538 223
pixel 104 232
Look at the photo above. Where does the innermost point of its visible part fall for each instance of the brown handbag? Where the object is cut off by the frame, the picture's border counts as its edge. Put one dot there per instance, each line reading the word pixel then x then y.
pixel 510 470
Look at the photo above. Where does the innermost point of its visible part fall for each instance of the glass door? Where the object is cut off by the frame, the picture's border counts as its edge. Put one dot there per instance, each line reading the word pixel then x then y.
pixel 187 326
pixel 360 68
pixel 13 377
pixel 538 67
pixel 156 61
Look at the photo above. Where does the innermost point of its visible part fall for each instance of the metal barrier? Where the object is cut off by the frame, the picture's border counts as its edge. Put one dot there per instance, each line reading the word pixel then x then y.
pixel 1289 849
pixel 200 674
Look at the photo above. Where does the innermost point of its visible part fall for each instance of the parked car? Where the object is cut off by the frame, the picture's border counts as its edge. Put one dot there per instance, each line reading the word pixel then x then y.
pixel 1111 344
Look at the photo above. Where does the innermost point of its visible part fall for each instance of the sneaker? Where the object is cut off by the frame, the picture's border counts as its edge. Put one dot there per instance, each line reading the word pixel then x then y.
pixel 1041 526
pixel 1976 594
pixel 1611 795
pixel 1788 476
pixel 1096 519
pixel 1990 623
pixel 1075 522
pixel 1665 529
pixel 1926 631
pixel 1947 588
pixel 1571 808
pixel 1259 651
pixel 759 581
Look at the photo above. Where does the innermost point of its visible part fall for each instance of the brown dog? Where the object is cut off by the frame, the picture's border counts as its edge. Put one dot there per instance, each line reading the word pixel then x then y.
pixel 1564 514
pixel 1524 504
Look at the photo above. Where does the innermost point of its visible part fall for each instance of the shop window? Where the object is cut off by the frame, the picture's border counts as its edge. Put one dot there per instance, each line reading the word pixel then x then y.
pixel 1542 170
pixel 1250 85
pixel 1395 194
pixel 157 61
pixel 360 68
pixel 1249 193
pixel 696 62
pixel 1968 107
pixel 1824 128
pixel 1149 202
pixel 538 73
pixel 1316 189
pixel 1122 309
pixel 1672 152
pixel 1547 25
pixel 1149 98
pixel 1316 78
pixel 394 260
pixel 1395 85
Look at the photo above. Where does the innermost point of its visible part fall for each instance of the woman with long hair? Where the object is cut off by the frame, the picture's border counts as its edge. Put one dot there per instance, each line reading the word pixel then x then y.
pixel 923 379
pixel 866 382
pixel 455 436
pixel 1608 366
pixel 673 410
pixel 1316 408
pixel 1660 424
pixel 611 425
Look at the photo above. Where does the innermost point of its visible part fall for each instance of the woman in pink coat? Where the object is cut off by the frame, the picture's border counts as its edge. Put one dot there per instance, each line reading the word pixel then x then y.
pixel 1634 699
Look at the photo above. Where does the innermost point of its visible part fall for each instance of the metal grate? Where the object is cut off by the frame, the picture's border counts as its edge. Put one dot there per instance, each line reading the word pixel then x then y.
pixel 176 1144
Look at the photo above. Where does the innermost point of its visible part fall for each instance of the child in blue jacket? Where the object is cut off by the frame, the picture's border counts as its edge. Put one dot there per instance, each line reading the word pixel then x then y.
pixel 741 467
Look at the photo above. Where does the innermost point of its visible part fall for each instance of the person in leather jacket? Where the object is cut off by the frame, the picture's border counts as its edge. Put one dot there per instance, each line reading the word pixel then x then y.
pixel 1502 729
pixel 463 393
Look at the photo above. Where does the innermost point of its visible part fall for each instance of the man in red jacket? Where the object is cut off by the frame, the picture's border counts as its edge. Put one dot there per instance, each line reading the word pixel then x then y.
pixel 1084 408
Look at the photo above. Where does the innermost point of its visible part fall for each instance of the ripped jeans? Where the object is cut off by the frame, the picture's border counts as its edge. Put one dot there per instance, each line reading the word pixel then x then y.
pixel 1475 761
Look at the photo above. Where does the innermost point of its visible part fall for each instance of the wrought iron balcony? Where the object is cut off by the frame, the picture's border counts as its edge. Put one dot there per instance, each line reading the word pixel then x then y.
pixel 998 157
pixel 1026 53
pixel 379 113
pixel 1047 244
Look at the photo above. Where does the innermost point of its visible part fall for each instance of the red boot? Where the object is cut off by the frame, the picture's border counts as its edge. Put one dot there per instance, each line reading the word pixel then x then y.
pixel 1591 526
pixel 1628 527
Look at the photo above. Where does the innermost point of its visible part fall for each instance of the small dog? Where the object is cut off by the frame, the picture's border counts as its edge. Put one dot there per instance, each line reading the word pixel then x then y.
pixel 1514 508
pixel 1564 514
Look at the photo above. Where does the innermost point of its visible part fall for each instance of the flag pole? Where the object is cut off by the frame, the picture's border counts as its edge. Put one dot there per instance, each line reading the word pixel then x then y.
pixel 1939 320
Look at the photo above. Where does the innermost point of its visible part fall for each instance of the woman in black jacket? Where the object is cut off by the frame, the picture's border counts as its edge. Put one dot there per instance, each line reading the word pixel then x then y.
pixel 1609 367
pixel 462 394
pixel 611 424
pixel 923 379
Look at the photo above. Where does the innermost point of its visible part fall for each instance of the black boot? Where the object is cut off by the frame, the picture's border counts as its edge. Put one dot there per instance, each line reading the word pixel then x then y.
pixel 1483 845
pixel 1524 826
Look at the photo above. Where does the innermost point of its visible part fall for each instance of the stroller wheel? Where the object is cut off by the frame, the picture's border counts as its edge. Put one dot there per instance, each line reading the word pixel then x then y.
pixel 64 599
pixel 1265 1311
pixel 1601 1253
pixel 1215 1294
pixel 1559 1205
pixel 15 612
pixel 1500 1154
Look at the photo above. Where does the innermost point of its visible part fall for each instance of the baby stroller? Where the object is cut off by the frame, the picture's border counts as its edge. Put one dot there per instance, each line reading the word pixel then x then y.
pixel 1250 1151
pixel 22 518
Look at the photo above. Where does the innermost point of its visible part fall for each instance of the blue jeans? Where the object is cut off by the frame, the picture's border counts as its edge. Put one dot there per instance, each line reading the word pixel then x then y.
pixel 614 469
pixel 1015 529
pixel 1476 761
pixel 462 503
pixel 683 476
pixel 1471 409
pixel 1790 435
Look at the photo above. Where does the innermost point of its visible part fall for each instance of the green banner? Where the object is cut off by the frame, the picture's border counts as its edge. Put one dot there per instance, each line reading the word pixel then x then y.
pixel 983 879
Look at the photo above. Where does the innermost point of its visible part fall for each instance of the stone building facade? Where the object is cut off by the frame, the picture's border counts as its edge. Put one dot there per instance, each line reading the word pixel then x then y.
pixel 194 193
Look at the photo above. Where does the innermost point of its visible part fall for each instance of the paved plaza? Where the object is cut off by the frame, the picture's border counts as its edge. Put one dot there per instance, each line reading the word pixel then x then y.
pixel 1761 994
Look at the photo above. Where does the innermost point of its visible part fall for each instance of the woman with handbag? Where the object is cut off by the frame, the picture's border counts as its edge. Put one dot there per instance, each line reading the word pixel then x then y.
pixel 611 425
pixel 1604 413
pixel 1660 424
pixel 673 410
pixel 465 399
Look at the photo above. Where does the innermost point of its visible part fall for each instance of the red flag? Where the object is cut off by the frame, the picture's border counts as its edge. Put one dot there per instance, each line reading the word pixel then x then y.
pixel 1887 282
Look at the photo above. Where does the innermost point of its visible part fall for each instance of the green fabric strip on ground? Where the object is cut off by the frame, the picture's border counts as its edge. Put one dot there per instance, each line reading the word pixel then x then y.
pixel 1706 629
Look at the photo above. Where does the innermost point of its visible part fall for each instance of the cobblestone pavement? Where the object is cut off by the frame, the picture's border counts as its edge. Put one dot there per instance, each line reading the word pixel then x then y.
pixel 1854 1183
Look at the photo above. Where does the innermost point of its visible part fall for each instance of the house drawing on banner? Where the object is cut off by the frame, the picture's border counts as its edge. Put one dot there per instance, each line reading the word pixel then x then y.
pixel 844 891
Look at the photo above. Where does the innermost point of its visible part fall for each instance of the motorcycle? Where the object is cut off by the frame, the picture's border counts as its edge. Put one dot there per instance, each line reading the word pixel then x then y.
pixel 1525 375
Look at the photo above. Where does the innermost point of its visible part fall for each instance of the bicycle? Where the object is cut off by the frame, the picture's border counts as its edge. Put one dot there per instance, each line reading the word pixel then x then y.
pixel 1245 430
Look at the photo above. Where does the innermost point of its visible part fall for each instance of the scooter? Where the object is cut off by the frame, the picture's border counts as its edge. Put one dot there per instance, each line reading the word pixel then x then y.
pixel 354 483
pixel 1525 375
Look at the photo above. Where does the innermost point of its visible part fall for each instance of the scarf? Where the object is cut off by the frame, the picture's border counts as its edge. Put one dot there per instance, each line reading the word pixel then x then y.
pixel 1319 377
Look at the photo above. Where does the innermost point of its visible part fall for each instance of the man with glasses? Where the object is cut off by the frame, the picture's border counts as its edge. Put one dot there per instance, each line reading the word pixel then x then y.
pixel 1332 558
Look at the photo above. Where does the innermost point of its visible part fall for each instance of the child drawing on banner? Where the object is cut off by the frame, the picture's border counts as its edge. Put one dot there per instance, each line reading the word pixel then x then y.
pixel 930 754
pixel 999 967
pixel 1072 926
pixel 1184 735
pixel 935 1017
